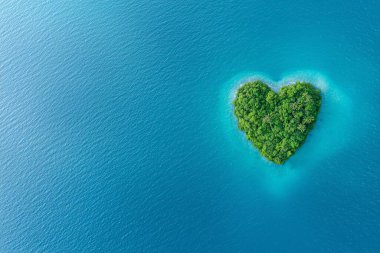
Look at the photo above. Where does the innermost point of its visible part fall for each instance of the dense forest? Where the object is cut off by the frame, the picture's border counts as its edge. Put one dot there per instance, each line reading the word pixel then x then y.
pixel 277 123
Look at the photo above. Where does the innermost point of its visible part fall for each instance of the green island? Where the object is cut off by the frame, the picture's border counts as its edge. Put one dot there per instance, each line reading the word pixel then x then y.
pixel 277 124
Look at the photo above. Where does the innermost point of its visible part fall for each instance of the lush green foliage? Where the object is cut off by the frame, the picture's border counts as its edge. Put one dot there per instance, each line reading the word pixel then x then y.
pixel 277 123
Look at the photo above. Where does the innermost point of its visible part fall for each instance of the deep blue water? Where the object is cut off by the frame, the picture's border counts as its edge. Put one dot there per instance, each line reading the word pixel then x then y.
pixel 117 133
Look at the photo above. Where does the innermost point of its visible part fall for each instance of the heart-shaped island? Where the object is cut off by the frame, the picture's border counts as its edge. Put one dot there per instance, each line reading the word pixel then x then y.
pixel 277 123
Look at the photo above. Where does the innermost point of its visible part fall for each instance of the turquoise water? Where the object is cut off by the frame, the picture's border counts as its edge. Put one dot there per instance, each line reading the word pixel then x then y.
pixel 117 132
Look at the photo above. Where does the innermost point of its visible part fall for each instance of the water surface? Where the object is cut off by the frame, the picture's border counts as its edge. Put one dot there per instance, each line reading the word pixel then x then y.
pixel 117 132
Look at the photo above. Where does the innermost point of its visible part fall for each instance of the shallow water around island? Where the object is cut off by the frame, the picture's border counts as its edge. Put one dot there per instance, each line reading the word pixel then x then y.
pixel 329 135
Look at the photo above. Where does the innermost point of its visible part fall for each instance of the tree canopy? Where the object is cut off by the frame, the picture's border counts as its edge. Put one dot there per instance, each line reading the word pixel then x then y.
pixel 277 123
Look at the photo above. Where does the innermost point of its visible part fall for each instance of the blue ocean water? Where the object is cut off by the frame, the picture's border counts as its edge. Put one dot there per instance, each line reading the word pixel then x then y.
pixel 117 132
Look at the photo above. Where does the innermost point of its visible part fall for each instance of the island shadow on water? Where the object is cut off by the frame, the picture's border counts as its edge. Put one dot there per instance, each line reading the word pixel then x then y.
pixel 328 136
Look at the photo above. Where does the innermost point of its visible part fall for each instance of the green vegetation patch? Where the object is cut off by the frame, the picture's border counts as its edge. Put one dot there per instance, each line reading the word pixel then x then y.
pixel 277 123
